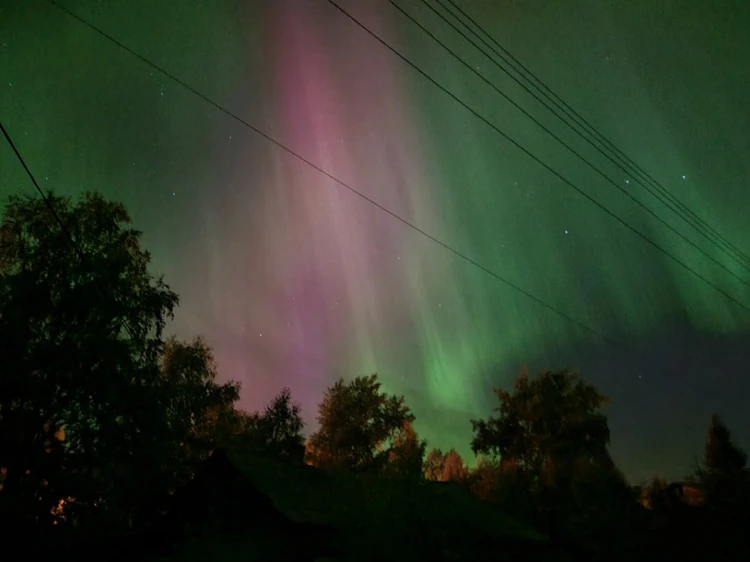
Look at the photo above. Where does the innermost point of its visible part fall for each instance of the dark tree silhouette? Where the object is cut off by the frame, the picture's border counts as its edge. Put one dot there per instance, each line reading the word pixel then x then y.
pixel 448 467
pixel 279 428
pixel 433 465
pixel 721 455
pixel 454 467
pixel 553 442
pixel 549 427
pixel 405 454
pixel 88 399
pixel 500 482
pixel 656 494
pixel 357 423
pixel 724 474
pixel 198 407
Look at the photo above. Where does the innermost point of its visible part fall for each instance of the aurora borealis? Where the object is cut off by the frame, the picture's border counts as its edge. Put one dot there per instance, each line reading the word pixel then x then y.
pixel 295 280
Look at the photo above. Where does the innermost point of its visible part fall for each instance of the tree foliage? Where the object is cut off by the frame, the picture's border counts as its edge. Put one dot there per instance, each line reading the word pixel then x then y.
pixel 199 408
pixel 724 474
pixel 721 455
pixel 552 440
pixel 657 494
pixel 499 481
pixel 454 467
pixel 89 393
pixel 448 467
pixel 357 425
pixel 405 454
pixel 548 427
pixel 433 465
pixel 279 428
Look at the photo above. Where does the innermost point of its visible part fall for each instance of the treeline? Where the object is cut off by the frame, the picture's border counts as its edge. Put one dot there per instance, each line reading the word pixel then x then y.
pixel 102 416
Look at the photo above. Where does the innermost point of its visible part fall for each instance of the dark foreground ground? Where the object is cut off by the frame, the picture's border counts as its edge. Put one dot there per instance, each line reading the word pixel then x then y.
pixel 243 508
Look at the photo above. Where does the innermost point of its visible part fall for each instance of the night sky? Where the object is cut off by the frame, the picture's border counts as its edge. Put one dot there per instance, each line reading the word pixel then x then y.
pixel 295 280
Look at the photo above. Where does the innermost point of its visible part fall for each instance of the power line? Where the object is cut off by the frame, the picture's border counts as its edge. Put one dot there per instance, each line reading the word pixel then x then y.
pixel 39 189
pixel 462 256
pixel 56 216
pixel 345 185
pixel 633 169
pixel 673 202
pixel 537 159
pixel 561 141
